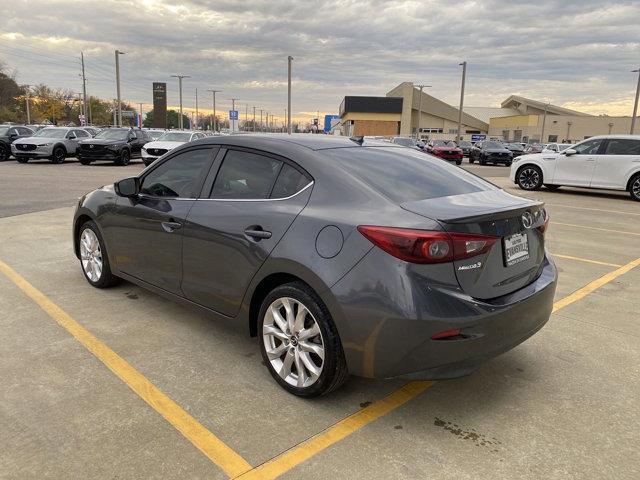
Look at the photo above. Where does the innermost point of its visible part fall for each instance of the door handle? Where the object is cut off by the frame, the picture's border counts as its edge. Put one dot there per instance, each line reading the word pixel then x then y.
pixel 590 160
pixel 171 226
pixel 257 233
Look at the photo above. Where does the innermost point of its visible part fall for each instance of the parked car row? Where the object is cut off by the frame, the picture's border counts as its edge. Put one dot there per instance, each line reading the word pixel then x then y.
pixel 89 144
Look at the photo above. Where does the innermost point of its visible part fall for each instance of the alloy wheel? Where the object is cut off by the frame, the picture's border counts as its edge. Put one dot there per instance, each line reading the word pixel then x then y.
pixel 529 178
pixel 3 153
pixel 293 342
pixel 58 155
pixel 91 255
pixel 635 188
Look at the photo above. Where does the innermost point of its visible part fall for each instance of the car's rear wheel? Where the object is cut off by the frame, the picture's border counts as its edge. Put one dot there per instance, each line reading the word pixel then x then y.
pixel 458 162
pixel 58 155
pixel 634 188
pixel 299 342
pixel 471 160
pixel 125 158
pixel 93 257
pixel 22 159
pixel 529 177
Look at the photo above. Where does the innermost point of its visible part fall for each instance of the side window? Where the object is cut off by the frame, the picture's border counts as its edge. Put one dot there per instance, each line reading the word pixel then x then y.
pixel 588 148
pixel 289 182
pixel 622 146
pixel 245 175
pixel 13 131
pixel 179 176
pixel 81 134
pixel 24 131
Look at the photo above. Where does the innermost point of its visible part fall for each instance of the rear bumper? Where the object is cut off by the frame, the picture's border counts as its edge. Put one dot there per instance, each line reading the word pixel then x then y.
pixel 444 156
pixel 391 335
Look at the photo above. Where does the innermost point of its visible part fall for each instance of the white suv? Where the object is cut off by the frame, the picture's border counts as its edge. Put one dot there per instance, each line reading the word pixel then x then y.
pixel 607 162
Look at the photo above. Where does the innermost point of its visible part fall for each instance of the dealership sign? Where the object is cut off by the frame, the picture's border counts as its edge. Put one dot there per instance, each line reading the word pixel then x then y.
pixel 476 137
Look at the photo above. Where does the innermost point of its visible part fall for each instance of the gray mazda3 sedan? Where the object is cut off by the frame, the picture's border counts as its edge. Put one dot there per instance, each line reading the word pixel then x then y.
pixel 343 256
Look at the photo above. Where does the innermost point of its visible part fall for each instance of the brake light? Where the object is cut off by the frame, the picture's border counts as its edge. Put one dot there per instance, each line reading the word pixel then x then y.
pixel 424 246
pixel 453 332
pixel 543 228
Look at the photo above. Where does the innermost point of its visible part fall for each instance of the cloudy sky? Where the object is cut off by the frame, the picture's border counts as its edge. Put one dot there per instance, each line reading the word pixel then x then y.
pixel 575 53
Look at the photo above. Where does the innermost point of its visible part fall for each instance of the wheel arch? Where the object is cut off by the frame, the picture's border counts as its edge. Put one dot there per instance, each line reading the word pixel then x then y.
pixel 80 220
pixel 60 144
pixel 530 164
pixel 631 178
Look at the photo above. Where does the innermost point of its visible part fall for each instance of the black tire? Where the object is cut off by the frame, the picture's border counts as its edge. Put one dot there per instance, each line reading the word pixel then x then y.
pixel 85 161
pixel 22 159
pixel 634 188
pixel 529 177
pixel 458 162
pixel 58 155
pixel 508 164
pixel 471 160
pixel 482 161
pixel 124 159
pixel 551 188
pixel 106 278
pixel 5 152
pixel 334 369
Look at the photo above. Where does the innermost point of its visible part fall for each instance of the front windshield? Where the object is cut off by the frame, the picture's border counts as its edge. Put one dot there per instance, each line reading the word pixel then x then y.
pixel 440 143
pixel 52 133
pixel 175 137
pixel 514 145
pixel 4 130
pixel 492 145
pixel 113 134
pixel 407 142
pixel 155 134
pixel 462 143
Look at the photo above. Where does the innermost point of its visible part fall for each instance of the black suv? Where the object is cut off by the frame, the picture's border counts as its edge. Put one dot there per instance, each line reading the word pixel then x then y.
pixel 118 145
pixel 9 134
pixel 488 151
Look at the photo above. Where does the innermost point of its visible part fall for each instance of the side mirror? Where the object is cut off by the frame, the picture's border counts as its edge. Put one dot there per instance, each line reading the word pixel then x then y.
pixel 72 136
pixel 128 187
pixel 13 135
pixel 570 151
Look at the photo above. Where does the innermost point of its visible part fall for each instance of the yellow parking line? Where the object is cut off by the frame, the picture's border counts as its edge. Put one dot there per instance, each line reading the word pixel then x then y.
pixel 302 452
pixel 596 228
pixel 592 286
pixel 214 448
pixel 586 260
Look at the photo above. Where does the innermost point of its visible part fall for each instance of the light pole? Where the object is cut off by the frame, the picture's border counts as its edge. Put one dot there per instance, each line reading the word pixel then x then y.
pixel 26 89
pixel 420 109
pixel 118 53
pixel 214 121
pixel 197 120
pixel 261 125
pixel 140 115
pixel 254 119
pixel 290 60
pixel 464 76
pixel 544 120
pixel 635 105
pixel 180 77
pixel 233 108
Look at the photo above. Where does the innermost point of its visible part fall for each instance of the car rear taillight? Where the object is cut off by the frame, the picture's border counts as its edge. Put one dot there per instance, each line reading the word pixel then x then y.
pixel 424 246
pixel 543 228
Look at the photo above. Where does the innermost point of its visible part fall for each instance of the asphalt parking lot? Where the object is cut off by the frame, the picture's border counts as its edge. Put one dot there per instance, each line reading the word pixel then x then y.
pixel 122 383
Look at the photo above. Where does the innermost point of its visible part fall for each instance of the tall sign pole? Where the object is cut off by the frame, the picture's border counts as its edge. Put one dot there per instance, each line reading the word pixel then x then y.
pixel 119 107
pixel 464 76
pixel 214 120
pixel 84 90
pixel 290 60
pixel 180 77
pixel 635 105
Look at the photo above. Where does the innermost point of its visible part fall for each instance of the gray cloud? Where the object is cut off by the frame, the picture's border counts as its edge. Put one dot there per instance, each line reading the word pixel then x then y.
pixel 577 52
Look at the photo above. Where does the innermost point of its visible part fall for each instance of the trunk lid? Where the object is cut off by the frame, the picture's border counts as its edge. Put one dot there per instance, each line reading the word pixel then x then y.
pixel 514 260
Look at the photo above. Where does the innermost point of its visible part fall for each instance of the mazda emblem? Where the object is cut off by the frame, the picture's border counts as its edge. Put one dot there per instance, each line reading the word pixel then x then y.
pixel 90 146
pixel 527 219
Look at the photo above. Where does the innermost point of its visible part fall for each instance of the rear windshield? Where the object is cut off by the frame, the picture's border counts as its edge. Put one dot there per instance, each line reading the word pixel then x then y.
pixel 405 175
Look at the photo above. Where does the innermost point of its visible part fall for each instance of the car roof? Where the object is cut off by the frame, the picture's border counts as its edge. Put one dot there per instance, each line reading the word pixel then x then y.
pixel 307 140
pixel 627 136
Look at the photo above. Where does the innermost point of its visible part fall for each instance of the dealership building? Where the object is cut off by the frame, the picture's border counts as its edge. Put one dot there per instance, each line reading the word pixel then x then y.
pixel 405 111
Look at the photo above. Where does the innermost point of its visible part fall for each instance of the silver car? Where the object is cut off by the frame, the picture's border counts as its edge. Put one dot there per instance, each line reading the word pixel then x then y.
pixel 53 143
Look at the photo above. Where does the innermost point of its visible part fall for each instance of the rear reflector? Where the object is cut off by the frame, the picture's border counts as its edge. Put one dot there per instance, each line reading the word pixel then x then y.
pixel 454 332
pixel 424 246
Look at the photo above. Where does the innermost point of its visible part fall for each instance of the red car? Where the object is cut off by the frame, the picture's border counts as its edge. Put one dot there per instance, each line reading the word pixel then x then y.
pixel 445 149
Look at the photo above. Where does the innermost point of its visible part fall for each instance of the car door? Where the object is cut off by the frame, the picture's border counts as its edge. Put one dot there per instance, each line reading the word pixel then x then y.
pixel 577 169
pixel 254 199
pixel 616 163
pixel 145 232
pixel 136 143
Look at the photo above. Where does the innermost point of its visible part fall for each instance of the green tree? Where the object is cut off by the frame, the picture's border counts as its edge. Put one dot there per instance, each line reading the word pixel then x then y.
pixel 173 119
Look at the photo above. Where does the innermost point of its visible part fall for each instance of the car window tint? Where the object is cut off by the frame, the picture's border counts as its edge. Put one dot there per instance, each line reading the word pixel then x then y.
pixel 622 146
pixel 404 175
pixel 25 131
pixel 588 148
pixel 179 176
pixel 81 133
pixel 289 182
pixel 245 175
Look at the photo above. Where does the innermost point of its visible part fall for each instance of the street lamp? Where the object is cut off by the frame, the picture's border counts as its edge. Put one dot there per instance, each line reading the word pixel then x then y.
pixel 544 120
pixel 180 77
pixel 214 121
pixel 420 109
pixel 635 105
pixel 118 53
pixel 464 75
pixel 290 60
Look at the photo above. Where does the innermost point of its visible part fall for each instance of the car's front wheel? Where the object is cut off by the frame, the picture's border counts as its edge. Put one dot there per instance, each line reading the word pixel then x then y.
pixel 22 159
pixel 529 177
pixel 299 342
pixel 58 155
pixel 93 257
pixel 4 152
pixel 125 157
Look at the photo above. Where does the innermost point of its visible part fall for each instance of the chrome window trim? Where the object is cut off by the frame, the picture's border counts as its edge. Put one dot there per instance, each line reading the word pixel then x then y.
pixel 258 199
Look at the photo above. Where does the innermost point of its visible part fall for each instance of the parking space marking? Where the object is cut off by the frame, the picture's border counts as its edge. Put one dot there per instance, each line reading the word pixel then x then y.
pixel 307 449
pixel 586 260
pixel 623 232
pixel 592 286
pixel 214 448
pixel 622 212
